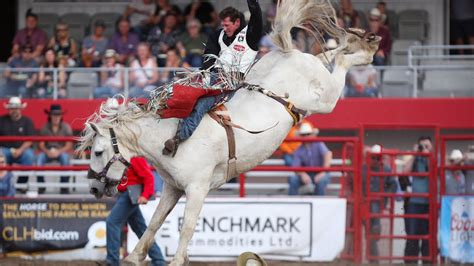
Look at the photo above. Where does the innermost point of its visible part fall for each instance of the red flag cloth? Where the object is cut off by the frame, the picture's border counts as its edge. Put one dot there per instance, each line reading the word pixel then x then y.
pixel 182 102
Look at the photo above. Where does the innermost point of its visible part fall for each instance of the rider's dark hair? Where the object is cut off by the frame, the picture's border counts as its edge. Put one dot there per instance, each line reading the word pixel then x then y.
pixel 230 12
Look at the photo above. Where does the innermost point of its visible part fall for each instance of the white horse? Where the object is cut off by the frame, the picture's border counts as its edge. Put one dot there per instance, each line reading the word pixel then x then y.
pixel 200 165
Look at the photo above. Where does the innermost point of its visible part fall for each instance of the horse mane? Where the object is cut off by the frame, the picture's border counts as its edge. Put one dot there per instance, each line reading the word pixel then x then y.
pixel 116 115
pixel 318 17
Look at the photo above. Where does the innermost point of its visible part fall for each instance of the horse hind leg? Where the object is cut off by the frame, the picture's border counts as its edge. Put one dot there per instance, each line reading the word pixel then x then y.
pixel 168 200
pixel 195 196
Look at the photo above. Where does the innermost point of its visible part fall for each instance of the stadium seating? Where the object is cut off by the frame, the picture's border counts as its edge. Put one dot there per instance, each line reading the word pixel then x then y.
pixel 399 53
pixel 47 22
pixel 413 24
pixel 397 83
pixel 81 85
pixel 448 83
pixel 78 23
pixel 110 20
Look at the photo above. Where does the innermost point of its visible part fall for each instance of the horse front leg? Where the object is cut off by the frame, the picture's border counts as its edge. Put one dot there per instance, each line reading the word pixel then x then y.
pixel 168 200
pixel 195 196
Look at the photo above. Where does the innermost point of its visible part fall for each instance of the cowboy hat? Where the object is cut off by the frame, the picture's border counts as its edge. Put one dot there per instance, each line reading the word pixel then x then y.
pixel 456 155
pixel 54 109
pixel 14 102
pixel 307 129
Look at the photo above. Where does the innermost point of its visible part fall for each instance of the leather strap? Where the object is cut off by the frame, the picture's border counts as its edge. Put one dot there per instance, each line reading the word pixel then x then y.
pixel 224 121
pixel 296 113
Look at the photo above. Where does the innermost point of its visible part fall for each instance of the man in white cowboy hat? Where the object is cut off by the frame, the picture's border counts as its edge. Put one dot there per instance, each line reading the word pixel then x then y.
pixel 310 154
pixel 53 150
pixel 15 124
pixel 455 179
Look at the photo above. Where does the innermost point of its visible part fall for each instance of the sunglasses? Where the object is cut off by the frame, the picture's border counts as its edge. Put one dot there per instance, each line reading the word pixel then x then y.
pixel 61 29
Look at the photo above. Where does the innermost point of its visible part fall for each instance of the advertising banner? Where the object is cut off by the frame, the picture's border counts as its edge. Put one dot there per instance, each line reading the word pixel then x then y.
pixel 37 224
pixel 308 229
pixel 457 228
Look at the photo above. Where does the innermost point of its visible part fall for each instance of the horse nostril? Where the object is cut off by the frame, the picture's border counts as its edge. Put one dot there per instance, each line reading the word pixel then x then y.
pixel 94 191
pixel 98 153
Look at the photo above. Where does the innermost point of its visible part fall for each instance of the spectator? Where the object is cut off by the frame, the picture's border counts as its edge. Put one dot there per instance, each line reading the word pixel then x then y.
pixel 45 78
pixel 462 23
pixel 138 190
pixel 455 179
pixel 140 13
pixel 30 36
pixel 15 124
pixel 349 15
pixel 111 76
pixel 63 76
pixel 270 16
pixel 45 85
pixel 63 44
pixel 94 46
pixel 173 60
pixel 143 74
pixel 52 150
pixel 21 83
pixel 310 154
pixel 266 45
pixel 124 42
pixel 376 204
pixel 288 148
pixel 7 188
pixel 205 12
pixel 470 173
pixel 382 7
pixel 191 43
pixel 163 38
pixel 418 205
pixel 361 82
pixel 375 26
pixel 163 7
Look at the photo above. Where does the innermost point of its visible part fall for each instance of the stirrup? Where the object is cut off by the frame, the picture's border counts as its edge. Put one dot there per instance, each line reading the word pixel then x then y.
pixel 171 147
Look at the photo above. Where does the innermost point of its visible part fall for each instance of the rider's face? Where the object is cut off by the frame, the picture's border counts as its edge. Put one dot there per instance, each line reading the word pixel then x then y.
pixel 229 26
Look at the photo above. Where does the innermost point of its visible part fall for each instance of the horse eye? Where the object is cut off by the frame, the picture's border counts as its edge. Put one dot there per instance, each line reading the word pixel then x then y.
pixel 98 153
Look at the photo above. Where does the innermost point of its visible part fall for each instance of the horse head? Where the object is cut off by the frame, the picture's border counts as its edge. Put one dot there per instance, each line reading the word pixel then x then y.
pixel 361 42
pixel 109 162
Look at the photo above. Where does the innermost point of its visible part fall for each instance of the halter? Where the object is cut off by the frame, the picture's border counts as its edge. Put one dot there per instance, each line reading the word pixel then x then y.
pixel 102 176
pixel 370 36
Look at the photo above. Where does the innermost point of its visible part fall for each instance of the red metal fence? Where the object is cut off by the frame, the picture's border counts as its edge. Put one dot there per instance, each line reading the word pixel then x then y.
pixel 359 214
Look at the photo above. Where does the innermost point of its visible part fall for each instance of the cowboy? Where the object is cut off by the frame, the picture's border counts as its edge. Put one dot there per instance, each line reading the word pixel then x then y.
pixel 53 150
pixel 15 124
pixel 236 45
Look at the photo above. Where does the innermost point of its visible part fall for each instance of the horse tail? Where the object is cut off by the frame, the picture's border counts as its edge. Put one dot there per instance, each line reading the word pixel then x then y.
pixel 318 17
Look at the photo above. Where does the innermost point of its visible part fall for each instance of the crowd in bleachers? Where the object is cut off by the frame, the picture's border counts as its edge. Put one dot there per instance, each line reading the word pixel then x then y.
pixel 173 37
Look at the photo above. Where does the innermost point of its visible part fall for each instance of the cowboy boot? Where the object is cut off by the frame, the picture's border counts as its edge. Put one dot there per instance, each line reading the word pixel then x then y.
pixel 171 145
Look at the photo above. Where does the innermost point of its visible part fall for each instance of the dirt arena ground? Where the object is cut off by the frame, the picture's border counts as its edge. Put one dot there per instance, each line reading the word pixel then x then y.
pixel 21 262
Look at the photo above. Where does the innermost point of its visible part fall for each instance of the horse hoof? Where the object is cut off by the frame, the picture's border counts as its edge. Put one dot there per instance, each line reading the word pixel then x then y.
pixel 133 260
pixel 175 262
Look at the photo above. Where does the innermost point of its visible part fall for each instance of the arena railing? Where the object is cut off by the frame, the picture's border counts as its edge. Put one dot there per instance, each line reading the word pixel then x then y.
pixel 467 167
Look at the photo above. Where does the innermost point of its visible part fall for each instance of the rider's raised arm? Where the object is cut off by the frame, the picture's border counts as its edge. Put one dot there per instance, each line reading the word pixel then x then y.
pixel 255 26
pixel 212 47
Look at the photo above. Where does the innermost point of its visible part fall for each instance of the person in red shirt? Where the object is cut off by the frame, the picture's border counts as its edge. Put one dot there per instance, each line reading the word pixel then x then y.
pixel 127 210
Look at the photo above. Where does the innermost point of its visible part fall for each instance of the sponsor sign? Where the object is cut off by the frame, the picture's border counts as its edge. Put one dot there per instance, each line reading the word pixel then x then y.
pixel 457 228
pixel 281 228
pixel 52 224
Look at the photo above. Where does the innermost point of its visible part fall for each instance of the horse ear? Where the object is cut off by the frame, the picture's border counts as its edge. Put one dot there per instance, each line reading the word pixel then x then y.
pixel 94 127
